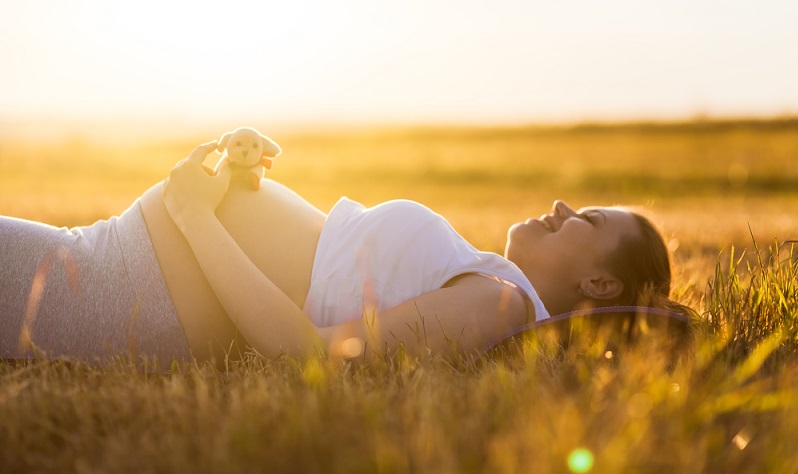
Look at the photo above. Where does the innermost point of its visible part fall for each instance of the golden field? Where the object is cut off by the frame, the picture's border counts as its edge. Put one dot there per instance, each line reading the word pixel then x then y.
pixel 704 183
pixel 711 186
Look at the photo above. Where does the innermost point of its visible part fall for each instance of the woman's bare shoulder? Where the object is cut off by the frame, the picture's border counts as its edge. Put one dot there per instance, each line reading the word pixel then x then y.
pixel 512 299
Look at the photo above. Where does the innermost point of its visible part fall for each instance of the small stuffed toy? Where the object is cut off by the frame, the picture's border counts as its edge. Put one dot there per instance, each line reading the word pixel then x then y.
pixel 249 154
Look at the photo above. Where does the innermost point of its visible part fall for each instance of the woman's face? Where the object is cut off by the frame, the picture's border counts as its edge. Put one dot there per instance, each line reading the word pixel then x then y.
pixel 565 246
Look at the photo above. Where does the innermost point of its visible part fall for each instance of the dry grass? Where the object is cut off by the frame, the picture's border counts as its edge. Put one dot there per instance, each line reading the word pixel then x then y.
pixel 730 406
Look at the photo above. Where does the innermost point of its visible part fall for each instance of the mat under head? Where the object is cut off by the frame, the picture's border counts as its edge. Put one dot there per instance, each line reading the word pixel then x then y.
pixel 614 324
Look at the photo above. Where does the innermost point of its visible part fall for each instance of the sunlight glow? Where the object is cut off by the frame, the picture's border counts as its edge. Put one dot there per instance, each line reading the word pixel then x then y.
pixel 352 347
pixel 740 441
pixel 507 61
pixel 580 460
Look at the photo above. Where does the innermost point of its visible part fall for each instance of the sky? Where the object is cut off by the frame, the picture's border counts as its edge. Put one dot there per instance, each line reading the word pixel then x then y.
pixel 490 62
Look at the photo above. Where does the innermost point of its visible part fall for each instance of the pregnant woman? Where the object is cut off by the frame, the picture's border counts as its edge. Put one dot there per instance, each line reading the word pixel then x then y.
pixel 205 268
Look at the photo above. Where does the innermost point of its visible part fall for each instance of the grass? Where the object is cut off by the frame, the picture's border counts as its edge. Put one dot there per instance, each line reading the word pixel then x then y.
pixel 728 404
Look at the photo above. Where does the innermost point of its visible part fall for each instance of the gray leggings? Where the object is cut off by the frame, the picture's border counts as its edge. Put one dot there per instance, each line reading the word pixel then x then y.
pixel 90 293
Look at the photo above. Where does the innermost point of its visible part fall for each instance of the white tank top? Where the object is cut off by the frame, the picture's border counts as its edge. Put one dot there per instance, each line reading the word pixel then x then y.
pixel 372 259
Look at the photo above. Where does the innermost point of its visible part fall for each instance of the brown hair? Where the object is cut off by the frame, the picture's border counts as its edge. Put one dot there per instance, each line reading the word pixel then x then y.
pixel 643 264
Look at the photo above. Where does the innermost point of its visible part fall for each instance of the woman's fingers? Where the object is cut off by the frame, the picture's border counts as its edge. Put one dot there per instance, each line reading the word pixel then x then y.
pixel 194 160
pixel 198 154
pixel 192 187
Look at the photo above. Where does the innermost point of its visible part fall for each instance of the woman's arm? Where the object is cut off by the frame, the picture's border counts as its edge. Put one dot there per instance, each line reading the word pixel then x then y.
pixel 267 318
pixel 462 317
pixel 458 319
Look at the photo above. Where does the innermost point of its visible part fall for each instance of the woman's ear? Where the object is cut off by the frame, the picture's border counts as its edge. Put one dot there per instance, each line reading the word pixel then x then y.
pixel 223 141
pixel 270 148
pixel 602 287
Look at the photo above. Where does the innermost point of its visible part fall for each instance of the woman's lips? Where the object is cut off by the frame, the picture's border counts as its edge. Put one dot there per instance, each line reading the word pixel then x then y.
pixel 543 221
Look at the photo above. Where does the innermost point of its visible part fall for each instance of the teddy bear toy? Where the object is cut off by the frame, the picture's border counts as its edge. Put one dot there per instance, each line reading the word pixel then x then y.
pixel 249 154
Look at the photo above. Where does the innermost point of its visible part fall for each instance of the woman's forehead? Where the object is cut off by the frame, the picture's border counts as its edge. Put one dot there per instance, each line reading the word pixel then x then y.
pixel 604 208
pixel 619 218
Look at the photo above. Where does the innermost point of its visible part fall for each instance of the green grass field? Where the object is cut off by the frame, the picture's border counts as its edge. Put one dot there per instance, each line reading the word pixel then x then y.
pixel 724 193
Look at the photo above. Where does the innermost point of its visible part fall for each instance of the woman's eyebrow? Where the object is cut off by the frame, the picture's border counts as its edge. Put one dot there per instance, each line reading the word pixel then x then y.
pixel 592 211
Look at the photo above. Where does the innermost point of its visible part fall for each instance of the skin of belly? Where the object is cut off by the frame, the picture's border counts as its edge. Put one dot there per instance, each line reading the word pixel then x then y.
pixel 275 227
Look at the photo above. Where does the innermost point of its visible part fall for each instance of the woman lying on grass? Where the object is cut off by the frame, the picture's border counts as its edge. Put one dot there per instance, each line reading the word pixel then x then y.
pixel 201 267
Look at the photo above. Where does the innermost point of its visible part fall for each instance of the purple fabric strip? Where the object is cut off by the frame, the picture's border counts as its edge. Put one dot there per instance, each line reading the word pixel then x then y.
pixel 586 312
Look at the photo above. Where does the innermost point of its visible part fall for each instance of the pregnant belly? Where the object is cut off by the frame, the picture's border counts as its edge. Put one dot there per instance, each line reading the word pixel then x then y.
pixel 275 227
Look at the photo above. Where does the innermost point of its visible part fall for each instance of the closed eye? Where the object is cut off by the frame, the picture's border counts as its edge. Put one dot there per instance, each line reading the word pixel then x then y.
pixel 596 217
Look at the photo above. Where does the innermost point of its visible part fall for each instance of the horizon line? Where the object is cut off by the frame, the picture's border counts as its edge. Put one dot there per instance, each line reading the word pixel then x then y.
pixel 72 127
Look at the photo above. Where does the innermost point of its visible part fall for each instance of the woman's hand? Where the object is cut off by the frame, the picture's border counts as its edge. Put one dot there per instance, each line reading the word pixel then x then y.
pixel 192 189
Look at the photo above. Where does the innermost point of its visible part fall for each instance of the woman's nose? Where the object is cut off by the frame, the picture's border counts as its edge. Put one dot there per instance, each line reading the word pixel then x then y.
pixel 561 209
